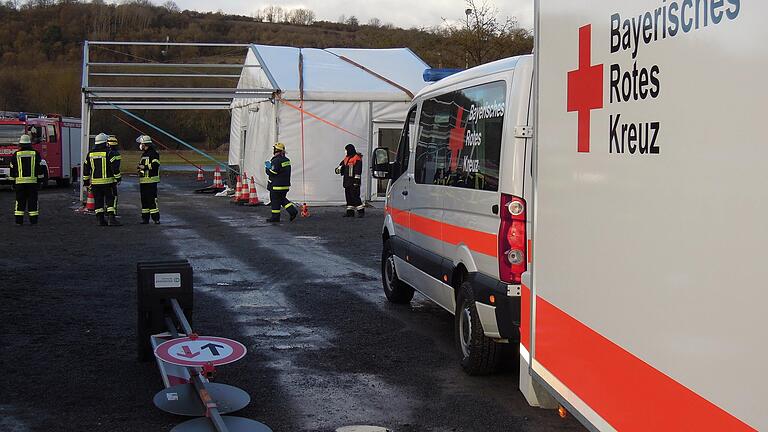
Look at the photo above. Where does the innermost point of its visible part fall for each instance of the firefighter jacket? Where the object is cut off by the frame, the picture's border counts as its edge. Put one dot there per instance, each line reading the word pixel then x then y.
pixel 101 166
pixel 149 166
pixel 26 166
pixel 279 175
pixel 351 170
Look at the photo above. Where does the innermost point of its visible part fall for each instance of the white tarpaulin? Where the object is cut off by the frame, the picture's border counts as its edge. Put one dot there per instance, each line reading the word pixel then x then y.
pixel 345 91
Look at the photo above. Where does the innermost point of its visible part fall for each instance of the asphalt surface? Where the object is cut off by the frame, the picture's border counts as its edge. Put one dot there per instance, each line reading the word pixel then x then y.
pixel 325 348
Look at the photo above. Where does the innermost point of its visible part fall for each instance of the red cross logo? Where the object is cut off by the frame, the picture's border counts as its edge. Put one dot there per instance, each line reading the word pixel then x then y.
pixel 585 87
pixel 456 140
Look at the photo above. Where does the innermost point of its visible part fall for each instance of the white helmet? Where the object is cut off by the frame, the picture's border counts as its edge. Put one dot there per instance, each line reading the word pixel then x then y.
pixel 144 139
pixel 101 138
pixel 24 139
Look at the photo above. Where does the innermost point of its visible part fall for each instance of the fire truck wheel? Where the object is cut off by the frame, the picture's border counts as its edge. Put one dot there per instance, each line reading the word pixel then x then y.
pixel 479 354
pixel 396 290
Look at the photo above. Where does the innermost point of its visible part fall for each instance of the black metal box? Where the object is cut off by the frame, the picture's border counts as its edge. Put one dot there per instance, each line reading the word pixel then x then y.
pixel 157 283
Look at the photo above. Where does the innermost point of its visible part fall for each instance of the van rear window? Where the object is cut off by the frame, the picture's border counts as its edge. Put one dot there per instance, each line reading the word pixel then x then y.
pixel 460 138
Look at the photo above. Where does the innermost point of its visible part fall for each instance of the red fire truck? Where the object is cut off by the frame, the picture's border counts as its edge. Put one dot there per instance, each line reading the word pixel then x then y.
pixel 57 139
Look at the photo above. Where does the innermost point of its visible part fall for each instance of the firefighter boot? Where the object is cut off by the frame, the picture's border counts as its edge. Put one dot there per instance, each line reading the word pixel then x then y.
pixel 293 212
pixel 113 220
pixel 100 218
pixel 144 218
pixel 349 213
pixel 274 218
pixel 361 213
pixel 156 218
pixel 19 220
pixel 33 220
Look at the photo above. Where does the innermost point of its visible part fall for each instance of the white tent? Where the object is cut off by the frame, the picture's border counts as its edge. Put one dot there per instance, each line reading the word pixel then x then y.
pixel 357 96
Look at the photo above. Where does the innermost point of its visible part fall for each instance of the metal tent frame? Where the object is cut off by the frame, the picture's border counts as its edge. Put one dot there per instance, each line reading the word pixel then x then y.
pixel 158 97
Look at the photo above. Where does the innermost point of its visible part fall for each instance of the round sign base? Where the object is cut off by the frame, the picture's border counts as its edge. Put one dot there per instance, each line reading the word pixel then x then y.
pixel 182 399
pixel 234 424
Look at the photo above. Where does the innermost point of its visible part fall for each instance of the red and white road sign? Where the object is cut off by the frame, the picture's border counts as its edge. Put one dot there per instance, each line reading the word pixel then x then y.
pixel 200 351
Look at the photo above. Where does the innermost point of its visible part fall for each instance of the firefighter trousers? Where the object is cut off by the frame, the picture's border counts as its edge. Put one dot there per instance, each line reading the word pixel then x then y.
pixel 102 196
pixel 149 202
pixel 114 194
pixel 352 194
pixel 279 200
pixel 26 201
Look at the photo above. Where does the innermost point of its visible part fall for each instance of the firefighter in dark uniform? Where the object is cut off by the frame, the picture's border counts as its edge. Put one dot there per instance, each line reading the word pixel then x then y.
pixel 149 177
pixel 26 173
pixel 278 183
pixel 351 170
pixel 113 146
pixel 101 172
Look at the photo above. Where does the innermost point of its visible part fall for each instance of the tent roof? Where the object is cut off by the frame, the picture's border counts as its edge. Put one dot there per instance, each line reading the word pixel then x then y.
pixel 336 73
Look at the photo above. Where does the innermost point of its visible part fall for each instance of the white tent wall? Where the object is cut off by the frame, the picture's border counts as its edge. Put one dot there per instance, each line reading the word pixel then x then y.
pixel 313 180
pixel 234 134
pixel 260 138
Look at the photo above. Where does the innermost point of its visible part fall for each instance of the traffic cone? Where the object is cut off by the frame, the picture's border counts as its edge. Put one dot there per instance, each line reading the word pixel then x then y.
pixel 254 200
pixel 217 183
pixel 200 176
pixel 304 210
pixel 245 196
pixel 238 190
pixel 90 202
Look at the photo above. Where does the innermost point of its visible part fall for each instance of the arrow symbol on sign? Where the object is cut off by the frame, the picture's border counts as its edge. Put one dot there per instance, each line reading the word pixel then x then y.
pixel 188 352
pixel 212 348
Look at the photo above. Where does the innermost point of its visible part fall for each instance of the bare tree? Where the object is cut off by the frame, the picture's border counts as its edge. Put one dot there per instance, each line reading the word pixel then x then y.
pixel 301 17
pixel 374 22
pixel 171 6
pixel 483 36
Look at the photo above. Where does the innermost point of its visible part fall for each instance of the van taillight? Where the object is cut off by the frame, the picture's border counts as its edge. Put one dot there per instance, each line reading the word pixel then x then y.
pixel 512 239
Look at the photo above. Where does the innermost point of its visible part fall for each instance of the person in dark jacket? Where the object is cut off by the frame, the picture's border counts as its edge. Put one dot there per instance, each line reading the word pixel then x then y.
pixel 149 176
pixel 115 148
pixel 351 170
pixel 100 172
pixel 26 173
pixel 279 183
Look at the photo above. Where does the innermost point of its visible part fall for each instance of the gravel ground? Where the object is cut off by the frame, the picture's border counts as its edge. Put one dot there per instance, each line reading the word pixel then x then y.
pixel 325 348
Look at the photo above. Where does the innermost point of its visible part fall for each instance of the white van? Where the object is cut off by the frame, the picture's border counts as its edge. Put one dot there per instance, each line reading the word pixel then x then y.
pixel 455 226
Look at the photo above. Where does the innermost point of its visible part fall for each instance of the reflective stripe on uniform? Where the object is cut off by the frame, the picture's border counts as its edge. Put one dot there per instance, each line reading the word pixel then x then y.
pixel 285 164
pixel 155 179
pixel 144 211
pixel 361 207
pixel 290 204
pixel 281 188
pixel 31 178
pixel 34 213
pixel 276 211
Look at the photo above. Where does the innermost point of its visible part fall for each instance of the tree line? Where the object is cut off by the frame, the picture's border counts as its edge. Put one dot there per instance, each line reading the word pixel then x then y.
pixel 41 48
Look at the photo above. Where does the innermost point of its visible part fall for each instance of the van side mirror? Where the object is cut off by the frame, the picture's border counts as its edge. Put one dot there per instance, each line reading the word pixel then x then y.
pixel 381 169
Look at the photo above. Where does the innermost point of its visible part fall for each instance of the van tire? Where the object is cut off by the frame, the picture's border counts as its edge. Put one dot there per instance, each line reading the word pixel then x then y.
pixel 396 290
pixel 479 354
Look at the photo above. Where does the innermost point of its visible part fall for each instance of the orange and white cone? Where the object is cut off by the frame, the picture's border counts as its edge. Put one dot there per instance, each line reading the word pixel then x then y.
pixel 90 202
pixel 238 190
pixel 245 196
pixel 304 210
pixel 217 183
pixel 200 176
pixel 254 200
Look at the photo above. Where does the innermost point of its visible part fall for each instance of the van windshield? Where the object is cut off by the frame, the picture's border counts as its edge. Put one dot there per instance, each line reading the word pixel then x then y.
pixel 9 134
pixel 460 138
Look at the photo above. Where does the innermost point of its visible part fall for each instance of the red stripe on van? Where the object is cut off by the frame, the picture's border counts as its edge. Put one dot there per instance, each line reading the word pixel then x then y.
pixel 525 317
pixel 478 241
pixel 627 392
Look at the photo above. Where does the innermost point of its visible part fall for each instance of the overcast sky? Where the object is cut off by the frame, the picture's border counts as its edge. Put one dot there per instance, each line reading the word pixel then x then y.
pixel 401 13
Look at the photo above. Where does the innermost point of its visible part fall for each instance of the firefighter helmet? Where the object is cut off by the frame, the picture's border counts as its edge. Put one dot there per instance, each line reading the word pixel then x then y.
pixel 112 140
pixel 144 139
pixel 279 146
pixel 100 138
pixel 24 139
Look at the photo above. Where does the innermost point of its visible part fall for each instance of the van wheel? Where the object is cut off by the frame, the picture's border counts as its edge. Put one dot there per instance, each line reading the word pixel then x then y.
pixel 395 289
pixel 479 354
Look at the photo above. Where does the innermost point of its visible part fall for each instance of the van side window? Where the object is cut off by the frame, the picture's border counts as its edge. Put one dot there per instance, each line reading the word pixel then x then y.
pixel 460 140
pixel 403 147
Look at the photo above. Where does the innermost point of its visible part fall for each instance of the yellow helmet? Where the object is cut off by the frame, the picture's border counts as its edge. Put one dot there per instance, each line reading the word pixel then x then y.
pixel 24 139
pixel 112 140
pixel 279 146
